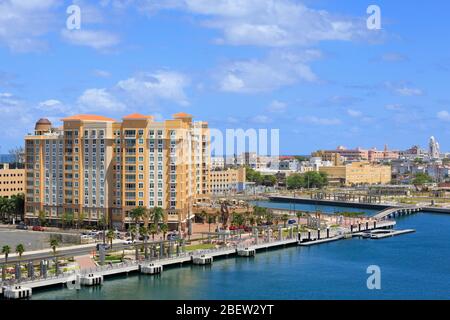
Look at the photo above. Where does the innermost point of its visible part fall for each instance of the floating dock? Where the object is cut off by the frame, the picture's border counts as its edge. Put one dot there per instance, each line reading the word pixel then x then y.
pixel 315 242
pixel 387 234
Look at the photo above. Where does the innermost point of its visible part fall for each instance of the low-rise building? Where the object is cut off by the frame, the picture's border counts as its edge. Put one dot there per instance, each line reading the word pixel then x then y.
pixel 12 180
pixel 227 181
pixel 358 173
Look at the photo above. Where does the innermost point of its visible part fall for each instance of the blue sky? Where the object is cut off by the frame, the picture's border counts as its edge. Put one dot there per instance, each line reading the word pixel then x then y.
pixel 309 68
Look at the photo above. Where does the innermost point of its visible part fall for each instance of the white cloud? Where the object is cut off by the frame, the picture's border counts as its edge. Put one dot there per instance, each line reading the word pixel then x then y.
pixel 277 107
pixel 232 120
pixel 393 57
pixel 101 73
pixel 24 22
pixel 272 23
pixel 444 115
pixel 319 121
pixel 394 107
pixel 261 119
pixel 98 40
pixel 277 70
pixel 354 113
pixel 93 100
pixel 147 88
pixel 53 106
pixel 16 116
pixel 404 89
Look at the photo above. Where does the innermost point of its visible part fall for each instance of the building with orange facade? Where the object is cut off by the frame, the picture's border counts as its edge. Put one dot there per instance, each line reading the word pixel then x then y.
pixel 104 168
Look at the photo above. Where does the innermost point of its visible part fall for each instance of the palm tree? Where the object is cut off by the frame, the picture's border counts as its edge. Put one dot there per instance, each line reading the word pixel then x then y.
pixel 164 229
pixel 132 230
pixel 80 219
pixel 210 220
pixel 102 224
pixel 299 215
pixel 137 214
pixel 153 231
pixel 157 215
pixel 20 249
pixel 203 215
pixel 6 250
pixel 42 218
pixel 111 236
pixel 285 218
pixel 53 244
pixel 143 231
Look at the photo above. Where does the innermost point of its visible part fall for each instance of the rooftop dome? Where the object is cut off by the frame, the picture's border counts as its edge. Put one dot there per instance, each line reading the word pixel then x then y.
pixel 43 121
pixel 43 125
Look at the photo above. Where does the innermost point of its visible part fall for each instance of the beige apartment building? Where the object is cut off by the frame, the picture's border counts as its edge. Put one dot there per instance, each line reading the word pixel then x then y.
pixel 12 181
pixel 228 181
pixel 105 168
pixel 358 173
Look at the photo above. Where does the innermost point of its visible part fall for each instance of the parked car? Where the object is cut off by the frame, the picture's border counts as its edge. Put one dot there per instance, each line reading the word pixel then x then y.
pixel 292 221
pixel 22 226
pixel 248 229
pixel 104 246
pixel 172 236
pixel 38 228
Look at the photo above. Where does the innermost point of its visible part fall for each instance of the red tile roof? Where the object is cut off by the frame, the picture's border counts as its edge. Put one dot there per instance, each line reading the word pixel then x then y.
pixel 182 115
pixel 136 116
pixel 88 117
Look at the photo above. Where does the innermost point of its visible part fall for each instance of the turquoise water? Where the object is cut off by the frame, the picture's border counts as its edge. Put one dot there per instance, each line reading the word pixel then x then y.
pixel 413 266
pixel 311 207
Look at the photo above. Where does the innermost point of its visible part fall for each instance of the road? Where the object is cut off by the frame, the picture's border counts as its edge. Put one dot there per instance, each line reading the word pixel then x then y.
pixel 63 252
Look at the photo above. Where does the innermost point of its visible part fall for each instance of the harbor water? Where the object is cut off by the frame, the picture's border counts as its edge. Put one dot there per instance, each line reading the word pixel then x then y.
pixel 413 266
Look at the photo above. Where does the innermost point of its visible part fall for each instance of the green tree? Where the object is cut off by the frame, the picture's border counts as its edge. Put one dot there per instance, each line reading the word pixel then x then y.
pixel 164 229
pixel 295 181
pixel 132 230
pixel 80 219
pixel 137 214
pixel 268 180
pixel 18 204
pixel 285 218
pixel 42 218
pixel 269 216
pixel 211 219
pixel 238 220
pixel 153 231
pixel 307 180
pixel 301 158
pixel 6 250
pixel 20 249
pixel 157 215
pixel 54 243
pixel 421 179
pixel 143 231
pixel 111 235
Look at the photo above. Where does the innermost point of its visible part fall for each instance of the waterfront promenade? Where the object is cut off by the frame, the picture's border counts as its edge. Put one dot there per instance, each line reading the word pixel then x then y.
pixel 250 242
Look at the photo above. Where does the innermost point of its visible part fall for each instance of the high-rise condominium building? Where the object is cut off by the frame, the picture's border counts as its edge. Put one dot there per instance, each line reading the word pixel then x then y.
pixel 104 168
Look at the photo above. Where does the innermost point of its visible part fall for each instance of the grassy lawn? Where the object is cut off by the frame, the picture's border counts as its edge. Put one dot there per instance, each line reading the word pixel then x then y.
pixel 199 247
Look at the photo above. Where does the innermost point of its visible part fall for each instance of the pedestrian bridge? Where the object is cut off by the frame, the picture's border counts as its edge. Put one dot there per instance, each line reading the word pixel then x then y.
pixel 396 212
